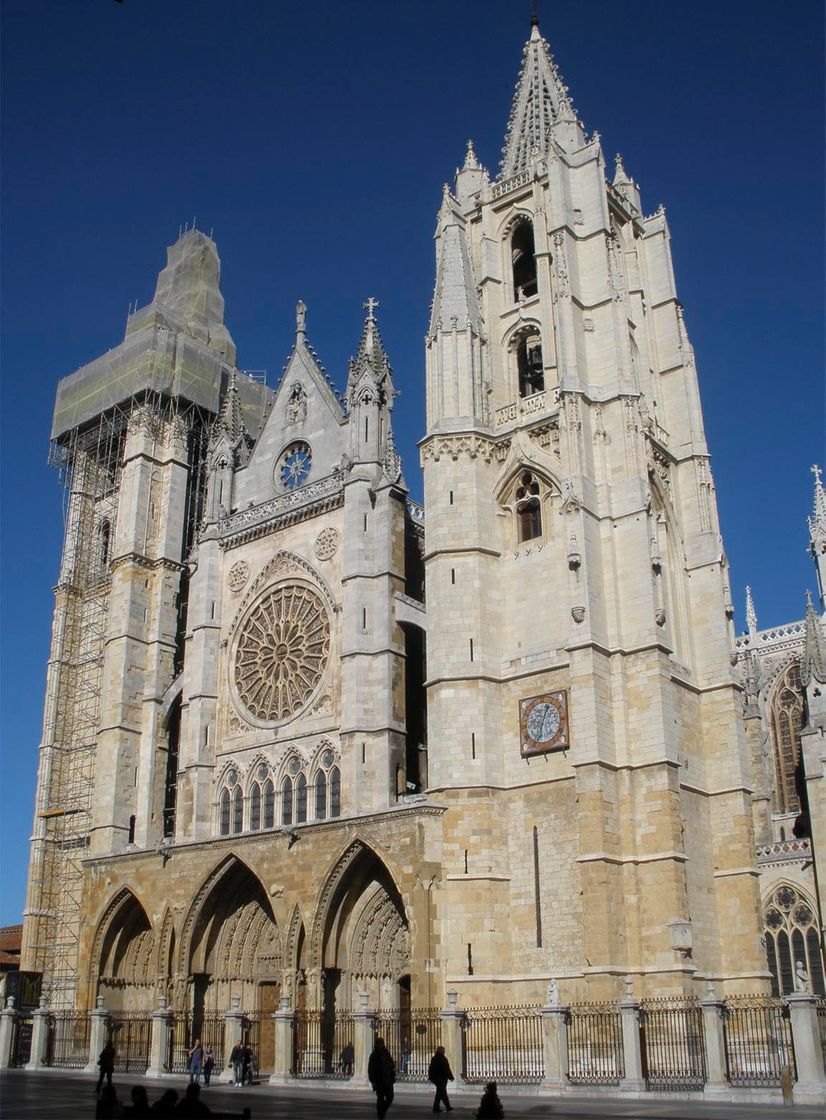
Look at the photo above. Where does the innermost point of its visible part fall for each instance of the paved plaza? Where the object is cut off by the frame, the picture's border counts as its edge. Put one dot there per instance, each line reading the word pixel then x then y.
pixel 64 1096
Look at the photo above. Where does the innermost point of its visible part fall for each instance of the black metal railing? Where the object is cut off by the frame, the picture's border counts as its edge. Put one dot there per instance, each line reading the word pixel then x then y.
pixel 186 1027
pixel 21 1043
pixel 323 1045
pixel 130 1032
pixel 68 1045
pixel 758 1039
pixel 820 1007
pixel 412 1038
pixel 502 1044
pixel 595 1050
pixel 672 1044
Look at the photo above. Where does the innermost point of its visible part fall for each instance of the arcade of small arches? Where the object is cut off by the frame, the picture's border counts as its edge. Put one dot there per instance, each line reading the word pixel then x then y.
pixel 352 937
pixel 271 801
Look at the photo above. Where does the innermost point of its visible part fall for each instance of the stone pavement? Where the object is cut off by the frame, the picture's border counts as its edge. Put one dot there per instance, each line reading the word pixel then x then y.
pixel 65 1095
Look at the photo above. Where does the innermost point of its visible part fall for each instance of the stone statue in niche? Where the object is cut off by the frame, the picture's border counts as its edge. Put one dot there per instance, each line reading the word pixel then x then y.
pixel 297 405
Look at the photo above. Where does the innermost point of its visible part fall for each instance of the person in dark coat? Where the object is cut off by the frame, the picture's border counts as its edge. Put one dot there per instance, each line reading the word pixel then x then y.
pixel 381 1072
pixel 490 1107
pixel 106 1065
pixel 209 1062
pixel 439 1072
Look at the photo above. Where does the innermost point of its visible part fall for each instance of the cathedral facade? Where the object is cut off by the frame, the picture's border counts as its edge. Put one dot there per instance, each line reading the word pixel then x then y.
pixel 304 738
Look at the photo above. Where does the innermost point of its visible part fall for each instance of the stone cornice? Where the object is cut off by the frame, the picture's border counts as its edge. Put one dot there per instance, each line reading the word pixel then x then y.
pixel 284 509
pixel 274 520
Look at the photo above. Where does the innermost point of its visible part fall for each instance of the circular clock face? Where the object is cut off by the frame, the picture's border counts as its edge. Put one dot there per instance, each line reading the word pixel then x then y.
pixel 543 722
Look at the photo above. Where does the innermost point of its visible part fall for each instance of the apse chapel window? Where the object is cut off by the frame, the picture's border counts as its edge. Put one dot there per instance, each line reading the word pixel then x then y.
pixel 529 365
pixel 528 508
pixel 792 938
pixel 293 466
pixel 523 260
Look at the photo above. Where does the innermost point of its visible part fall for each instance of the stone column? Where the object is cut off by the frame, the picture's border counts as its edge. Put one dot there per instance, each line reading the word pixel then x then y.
pixel 233 1026
pixel 362 1040
pixel 160 1040
pixel 630 1012
pixel 452 1016
pixel 97 1035
pixel 281 1069
pixel 715 1043
pixel 554 1043
pixel 8 1023
pixel 40 1036
pixel 811 1080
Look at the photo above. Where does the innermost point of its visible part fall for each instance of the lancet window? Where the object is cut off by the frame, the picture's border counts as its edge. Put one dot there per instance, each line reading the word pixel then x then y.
pixel 230 805
pixel 529 371
pixel 528 508
pixel 104 543
pixel 786 719
pixel 523 260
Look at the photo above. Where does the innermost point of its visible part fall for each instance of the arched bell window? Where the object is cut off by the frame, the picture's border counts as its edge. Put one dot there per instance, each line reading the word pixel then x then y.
pixel 530 374
pixel 528 508
pixel 523 260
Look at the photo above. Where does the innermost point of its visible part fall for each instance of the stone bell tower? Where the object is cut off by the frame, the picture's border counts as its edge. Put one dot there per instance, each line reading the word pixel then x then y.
pixel 583 710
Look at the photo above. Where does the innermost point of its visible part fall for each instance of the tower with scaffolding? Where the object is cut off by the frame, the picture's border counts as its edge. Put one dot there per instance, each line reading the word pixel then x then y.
pixel 129 439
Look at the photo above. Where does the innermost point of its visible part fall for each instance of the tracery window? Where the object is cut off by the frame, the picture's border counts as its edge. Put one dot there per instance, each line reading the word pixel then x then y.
pixel 792 937
pixel 320 796
pixel 224 812
pixel 293 466
pixel 523 259
pixel 530 374
pixel 528 508
pixel 300 799
pixel 255 807
pixel 237 810
pixel 327 787
pixel 269 804
pixel 786 719
pixel 335 792
pixel 287 801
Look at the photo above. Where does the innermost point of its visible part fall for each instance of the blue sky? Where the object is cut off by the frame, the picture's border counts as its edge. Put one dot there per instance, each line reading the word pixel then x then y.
pixel 314 140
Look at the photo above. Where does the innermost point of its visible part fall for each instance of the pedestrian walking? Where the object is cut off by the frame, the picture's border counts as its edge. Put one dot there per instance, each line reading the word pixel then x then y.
pixel 236 1060
pixel 490 1107
pixel 209 1062
pixel 347 1058
pixel 106 1065
pixel 246 1066
pixel 439 1072
pixel 381 1072
pixel 196 1061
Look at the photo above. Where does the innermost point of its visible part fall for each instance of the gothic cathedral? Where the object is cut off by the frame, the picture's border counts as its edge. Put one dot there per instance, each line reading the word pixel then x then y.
pixel 305 739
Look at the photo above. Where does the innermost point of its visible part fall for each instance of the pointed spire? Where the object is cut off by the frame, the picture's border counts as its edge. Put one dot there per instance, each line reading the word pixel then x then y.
pixel 751 614
pixel 817 533
pixel 814 655
pixel 371 354
pixel 455 300
pixel 230 420
pixel 541 112
pixel 620 175
pixel 471 161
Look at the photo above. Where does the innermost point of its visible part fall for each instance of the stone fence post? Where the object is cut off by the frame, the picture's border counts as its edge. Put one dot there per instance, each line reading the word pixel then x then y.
pixel 631 1042
pixel 160 1040
pixel 97 1034
pixel 8 1025
pixel 233 1027
pixel 283 1019
pixel 715 1044
pixel 554 1043
pixel 362 1040
pixel 811 1080
pixel 39 1053
pixel 452 1017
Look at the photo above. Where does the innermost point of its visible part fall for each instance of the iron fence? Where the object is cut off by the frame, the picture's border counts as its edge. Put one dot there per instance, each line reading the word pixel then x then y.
pixel 672 1044
pixel 323 1045
pixel 758 1039
pixel 411 1037
pixel 68 1045
pixel 502 1044
pixel 595 1051
pixel 186 1027
pixel 21 1043
pixel 251 1036
pixel 130 1032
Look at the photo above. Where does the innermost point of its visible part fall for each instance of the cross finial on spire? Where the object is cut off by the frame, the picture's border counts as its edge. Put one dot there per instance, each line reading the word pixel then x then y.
pixel 816 471
pixel 371 304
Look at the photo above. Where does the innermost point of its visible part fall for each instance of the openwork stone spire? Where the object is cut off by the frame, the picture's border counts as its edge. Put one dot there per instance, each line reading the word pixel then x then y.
pixel 751 614
pixel 817 532
pixel 540 105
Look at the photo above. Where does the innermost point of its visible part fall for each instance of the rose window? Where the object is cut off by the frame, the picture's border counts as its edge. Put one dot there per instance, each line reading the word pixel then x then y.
pixel 294 466
pixel 282 652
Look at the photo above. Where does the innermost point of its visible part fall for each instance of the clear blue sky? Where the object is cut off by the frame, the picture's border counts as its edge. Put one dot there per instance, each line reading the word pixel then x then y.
pixel 314 139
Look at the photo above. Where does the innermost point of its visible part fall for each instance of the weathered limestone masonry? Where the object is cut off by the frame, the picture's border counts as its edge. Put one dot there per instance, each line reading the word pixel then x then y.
pixel 575 569
pixel 243 805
